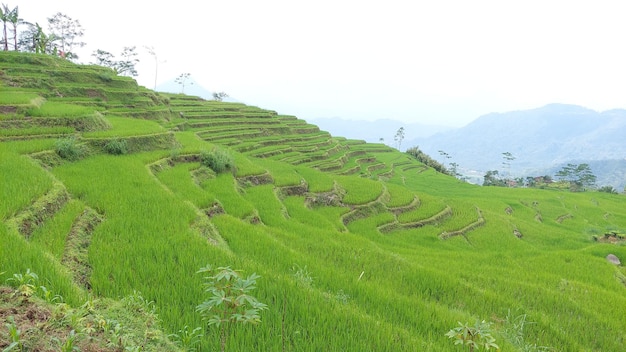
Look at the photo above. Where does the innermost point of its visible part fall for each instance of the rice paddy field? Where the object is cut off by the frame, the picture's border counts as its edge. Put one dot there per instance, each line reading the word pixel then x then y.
pixel 358 246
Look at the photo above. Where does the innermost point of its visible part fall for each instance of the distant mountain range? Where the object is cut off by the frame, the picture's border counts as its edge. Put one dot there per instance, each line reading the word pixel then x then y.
pixel 541 140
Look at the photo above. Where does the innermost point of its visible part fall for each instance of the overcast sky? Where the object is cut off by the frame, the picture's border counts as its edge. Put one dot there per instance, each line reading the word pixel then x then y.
pixel 437 62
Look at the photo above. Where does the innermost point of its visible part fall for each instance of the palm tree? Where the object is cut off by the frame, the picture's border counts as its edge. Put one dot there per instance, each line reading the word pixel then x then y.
pixel 4 17
pixel 43 43
pixel 15 20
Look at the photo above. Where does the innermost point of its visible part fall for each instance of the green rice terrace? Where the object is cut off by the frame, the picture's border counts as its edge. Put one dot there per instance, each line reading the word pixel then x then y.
pixel 113 197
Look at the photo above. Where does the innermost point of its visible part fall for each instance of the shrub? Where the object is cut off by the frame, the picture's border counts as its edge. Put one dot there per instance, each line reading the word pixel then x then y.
pixel 427 160
pixel 474 337
pixel 116 146
pixel 68 148
pixel 607 189
pixel 218 160
pixel 229 300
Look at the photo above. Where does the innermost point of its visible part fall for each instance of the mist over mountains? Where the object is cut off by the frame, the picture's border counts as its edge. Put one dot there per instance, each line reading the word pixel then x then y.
pixel 192 87
pixel 373 131
pixel 542 140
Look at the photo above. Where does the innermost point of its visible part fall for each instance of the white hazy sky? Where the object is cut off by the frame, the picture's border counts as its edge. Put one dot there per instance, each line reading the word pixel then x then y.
pixel 436 62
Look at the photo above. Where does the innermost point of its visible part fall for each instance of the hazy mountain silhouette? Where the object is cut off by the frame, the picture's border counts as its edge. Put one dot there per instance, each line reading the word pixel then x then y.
pixel 540 139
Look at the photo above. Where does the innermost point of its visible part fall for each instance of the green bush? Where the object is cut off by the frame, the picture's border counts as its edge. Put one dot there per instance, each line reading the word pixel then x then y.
pixel 218 160
pixel 116 146
pixel 69 149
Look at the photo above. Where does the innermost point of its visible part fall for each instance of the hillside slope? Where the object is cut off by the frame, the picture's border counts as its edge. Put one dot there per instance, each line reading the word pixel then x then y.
pixel 105 193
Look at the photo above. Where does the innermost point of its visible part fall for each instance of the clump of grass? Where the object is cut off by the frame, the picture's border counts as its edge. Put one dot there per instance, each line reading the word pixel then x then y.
pixel 218 160
pixel 116 146
pixel 69 149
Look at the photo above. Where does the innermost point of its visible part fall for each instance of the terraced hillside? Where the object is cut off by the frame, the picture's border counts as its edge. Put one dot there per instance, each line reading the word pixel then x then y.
pixel 106 193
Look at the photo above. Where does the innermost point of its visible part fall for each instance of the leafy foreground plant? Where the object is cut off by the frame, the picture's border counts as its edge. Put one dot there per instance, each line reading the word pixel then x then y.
pixel 24 283
pixel 474 337
pixel 514 327
pixel 187 339
pixel 14 335
pixel 35 319
pixel 229 300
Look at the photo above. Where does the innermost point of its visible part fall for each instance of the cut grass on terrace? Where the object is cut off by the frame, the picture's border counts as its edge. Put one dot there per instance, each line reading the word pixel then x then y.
pixel 123 127
pixel 318 181
pixel 21 181
pixel 399 195
pixel 58 109
pixel 359 190
pixel 34 131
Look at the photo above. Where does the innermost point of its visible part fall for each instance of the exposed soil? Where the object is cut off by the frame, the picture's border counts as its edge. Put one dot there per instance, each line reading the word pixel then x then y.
pixel 40 210
pixel 611 237
pixel 563 217
pixel 214 210
pixel 77 245
pixel 39 327
pixel 255 180
pixel 8 109
pixel 299 190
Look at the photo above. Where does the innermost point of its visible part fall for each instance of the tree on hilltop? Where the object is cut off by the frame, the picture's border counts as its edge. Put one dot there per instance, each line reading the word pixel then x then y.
pixel 42 43
pixel 183 80
pixel 127 65
pixel 68 31
pixel 121 67
pixel 15 20
pixel 399 137
pixel 578 176
pixel 219 96
pixel 5 14
pixel 492 178
pixel 506 163
pixel 103 58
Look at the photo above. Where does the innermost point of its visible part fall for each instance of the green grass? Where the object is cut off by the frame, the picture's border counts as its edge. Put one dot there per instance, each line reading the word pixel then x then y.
pixel 317 181
pixel 33 131
pixel 224 188
pixel 329 286
pixel 16 97
pixel 59 109
pixel 399 196
pixel 21 182
pixel 52 234
pixel 283 174
pixel 179 181
pixel 359 191
pixel 122 127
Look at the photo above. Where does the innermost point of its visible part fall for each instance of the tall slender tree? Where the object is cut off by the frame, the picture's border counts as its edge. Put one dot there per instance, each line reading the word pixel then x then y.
pixel 152 52
pixel 506 163
pixel 184 79
pixel 399 137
